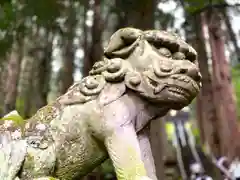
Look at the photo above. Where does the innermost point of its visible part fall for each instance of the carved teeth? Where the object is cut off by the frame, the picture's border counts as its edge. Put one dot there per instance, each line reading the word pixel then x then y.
pixel 177 90
pixel 184 79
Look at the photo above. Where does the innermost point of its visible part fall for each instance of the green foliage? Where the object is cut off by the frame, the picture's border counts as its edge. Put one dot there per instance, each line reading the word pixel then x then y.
pixel 18 121
pixel 16 16
pixel 15 117
pixel 7 21
pixel 45 11
pixel 236 84
pixel 20 105
pixel 193 6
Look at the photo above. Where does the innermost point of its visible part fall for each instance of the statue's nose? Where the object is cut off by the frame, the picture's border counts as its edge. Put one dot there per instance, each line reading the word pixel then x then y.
pixel 192 72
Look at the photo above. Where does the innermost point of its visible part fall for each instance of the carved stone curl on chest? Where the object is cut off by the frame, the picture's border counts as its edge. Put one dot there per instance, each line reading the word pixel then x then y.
pixel 113 70
pixel 106 71
pixel 85 90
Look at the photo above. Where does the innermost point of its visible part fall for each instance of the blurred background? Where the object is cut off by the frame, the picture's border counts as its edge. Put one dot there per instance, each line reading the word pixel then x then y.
pixel 46 45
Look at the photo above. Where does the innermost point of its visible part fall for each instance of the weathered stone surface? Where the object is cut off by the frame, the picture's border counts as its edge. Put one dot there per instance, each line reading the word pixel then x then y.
pixel 142 75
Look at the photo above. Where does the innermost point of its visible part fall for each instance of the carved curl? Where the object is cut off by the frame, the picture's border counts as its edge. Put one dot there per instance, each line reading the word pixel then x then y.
pixel 113 70
pixel 85 90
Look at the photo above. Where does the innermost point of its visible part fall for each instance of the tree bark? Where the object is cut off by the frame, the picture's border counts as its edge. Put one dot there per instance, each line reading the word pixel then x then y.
pixel 137 14
pixel 95 51
pixel 209 118
pixel 223 91
pixel 86 65
pixel 13 71
pixel 68 50
pixel 43 70
pixel 25 90
pixel 206 113
pixel 3 77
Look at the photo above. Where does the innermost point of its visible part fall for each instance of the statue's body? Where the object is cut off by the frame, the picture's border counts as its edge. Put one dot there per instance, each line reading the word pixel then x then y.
pixel 143 74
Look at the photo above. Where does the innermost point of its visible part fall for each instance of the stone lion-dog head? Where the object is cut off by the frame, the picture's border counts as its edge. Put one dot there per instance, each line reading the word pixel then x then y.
pixel 158 65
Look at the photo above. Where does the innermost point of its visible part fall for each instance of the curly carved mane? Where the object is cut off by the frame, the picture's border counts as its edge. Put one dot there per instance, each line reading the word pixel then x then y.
pixel 114 70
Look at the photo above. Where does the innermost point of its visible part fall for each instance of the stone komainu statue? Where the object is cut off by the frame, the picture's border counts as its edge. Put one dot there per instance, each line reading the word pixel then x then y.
pixel 141 76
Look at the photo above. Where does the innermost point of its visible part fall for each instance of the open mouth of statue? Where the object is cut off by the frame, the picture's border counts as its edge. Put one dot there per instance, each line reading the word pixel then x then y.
pixel 173 89
pixel 179 91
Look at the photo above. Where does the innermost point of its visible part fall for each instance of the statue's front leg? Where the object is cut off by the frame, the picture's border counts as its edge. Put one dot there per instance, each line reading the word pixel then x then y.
pixel 123 148
pixel 12 156
pixel 146 152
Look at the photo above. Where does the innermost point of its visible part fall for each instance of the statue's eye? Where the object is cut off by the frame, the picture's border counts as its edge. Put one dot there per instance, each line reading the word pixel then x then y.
pixel 165 52
pixel 179 56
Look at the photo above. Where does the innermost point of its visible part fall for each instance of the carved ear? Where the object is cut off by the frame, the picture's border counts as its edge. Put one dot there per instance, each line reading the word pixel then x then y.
pixel 122 42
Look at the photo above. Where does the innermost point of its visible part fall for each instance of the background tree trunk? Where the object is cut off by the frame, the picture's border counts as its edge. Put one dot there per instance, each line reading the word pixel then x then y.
pixel 68 68
pixel 95 51
pixel 43 70
pixel 225 106
pixel 209 118
pixel 29 65
pixel 13 71
pixel 86 61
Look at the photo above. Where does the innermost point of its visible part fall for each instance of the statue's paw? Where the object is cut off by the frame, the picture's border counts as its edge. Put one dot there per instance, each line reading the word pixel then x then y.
pixel 12 156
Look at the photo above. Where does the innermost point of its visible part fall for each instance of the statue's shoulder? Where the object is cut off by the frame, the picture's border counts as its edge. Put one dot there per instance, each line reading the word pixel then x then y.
pixel 103 75
pixel 79 93
pixel 83 91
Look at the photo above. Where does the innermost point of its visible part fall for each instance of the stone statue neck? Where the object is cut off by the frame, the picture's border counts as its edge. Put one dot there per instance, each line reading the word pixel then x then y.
pixel 145 111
